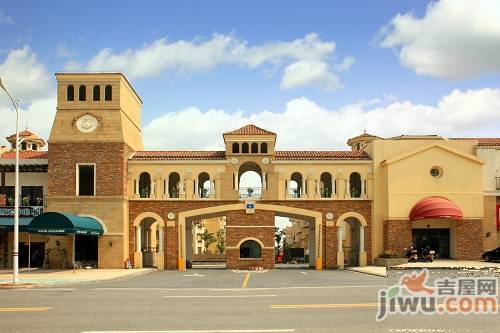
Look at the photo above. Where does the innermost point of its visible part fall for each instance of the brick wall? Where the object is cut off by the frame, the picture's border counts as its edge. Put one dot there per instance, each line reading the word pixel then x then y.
pixel 329 250
pixel 111 167
pixel 397 236
pixel 469 239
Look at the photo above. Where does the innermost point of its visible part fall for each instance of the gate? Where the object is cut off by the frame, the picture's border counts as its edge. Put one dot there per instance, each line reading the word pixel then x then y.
pixel 351 256
pixel 148 256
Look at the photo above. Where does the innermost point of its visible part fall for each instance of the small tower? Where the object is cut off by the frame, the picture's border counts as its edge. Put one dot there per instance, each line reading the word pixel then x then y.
pixel 31 141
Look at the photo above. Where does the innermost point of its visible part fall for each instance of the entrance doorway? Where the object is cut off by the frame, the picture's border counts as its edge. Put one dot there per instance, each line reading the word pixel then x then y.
pixel 434 239
pixel 86 250
pixel 37 254
pixel 295 243
pixel 206 242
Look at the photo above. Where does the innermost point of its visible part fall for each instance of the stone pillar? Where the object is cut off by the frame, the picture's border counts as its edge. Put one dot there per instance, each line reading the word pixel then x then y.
pixel 362 253
pixel 136 194
pixel 340 250
pixel 235 177
pixel 138 252
pixel 334 192
pixel 303 189
pixel 196 188
pixel 166 194
pixel 264 184
pixel 362 194
pixel 161 251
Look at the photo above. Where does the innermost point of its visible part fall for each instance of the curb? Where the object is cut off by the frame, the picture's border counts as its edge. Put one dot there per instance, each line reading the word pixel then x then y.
pixel 367 272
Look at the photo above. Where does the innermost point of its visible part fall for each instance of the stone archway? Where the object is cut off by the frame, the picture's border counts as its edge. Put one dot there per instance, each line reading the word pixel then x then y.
pixel 155 223
pixel 359 223
pixel 218 210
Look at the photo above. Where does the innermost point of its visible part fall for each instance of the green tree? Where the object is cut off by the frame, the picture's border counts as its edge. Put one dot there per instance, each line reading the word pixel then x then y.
pixel 221 241
pixel 208 238
pixel 278 236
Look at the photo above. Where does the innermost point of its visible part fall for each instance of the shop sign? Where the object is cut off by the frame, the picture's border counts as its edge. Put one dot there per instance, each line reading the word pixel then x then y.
pixel 28 211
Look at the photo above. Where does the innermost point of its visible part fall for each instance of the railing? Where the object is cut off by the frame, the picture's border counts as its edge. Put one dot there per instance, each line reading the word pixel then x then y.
pixel 326 193
pixel 250 192
pixel 294 194
pixel 173 193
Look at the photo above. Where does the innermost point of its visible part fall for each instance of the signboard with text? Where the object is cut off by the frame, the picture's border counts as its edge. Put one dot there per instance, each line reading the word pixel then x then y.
pixel 28 211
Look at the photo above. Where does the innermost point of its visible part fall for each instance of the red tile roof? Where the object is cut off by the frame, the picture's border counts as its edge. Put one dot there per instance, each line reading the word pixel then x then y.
pixel 484 142
pixel 179 155
pixel 321 155
pixel 25 155
pixel 250 130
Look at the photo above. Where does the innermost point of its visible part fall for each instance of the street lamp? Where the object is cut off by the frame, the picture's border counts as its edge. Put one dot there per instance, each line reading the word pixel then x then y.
pixel 15 253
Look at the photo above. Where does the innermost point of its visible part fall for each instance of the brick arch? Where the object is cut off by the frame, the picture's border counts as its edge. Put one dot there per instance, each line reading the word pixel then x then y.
pixel 250 238
pixel 357 216
pixel 142 216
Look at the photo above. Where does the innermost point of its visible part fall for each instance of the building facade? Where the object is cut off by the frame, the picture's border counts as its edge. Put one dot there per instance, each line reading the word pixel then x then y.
pixel 357 203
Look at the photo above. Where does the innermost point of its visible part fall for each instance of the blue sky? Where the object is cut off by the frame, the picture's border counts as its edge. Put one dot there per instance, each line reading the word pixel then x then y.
pixel 391 74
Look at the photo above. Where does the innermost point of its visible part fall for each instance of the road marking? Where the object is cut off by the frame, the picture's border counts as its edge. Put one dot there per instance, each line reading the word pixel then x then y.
pixel 195 274
pixel 236 289
pixel 217 296
pixel 24 309
pixel 305 273
pixel 201 331
pixel 41 289
pixel 238 271
pixel 245 281
pixel 318 306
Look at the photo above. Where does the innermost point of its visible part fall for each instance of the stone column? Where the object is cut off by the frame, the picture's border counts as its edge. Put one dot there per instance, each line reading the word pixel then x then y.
pixel 334 192
pixel 362 194
pixel 362 253
pixel 340 250
pixel 136 194
pixel 235 177
pixel 161 252
pixel 138 252
pixel 196 188
pixel 303 189
pixel 166 193
pixel 264 184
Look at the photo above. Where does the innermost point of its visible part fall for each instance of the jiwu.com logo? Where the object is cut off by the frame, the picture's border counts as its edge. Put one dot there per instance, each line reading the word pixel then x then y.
pixel 412 295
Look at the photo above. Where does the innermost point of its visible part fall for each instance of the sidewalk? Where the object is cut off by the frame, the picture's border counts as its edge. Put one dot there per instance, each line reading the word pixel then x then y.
pixel 451 264
pixel 53 278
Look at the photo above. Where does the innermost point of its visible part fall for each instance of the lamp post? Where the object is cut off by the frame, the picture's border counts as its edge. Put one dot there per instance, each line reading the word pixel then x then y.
pixel 15 252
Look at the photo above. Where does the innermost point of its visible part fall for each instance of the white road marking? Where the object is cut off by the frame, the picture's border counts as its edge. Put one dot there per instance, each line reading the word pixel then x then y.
pixel 195 274
pixel 39 289
pixel 247 271
pixel 236 289
pixel 200 331
pixel 305 273
pixel 216 296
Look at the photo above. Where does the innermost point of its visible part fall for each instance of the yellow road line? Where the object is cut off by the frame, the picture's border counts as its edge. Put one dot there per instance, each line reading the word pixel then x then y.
pixel 317 306
pixel 245 281
pixel 24 309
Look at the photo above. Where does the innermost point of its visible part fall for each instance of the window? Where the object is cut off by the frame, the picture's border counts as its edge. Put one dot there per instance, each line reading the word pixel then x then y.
pixel 70 93
pixel 236 148
pixel 244 148
pixel 436 172
pixel 355 185
pixel 263 148
pixel 97 93
pixel 174 185
pixel 203 189
pixel 23 146
pixel 86 179
pixel 34 147
pixel 82 93
pixel 326 185
pixel 32 196
pixel 255 148
pixel 250 249
pixel 144 185
pixel 108 93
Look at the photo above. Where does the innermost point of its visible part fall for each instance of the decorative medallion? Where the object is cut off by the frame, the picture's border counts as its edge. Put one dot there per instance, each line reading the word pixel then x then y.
pixel 87 123
pixel 329 216
pixel 171 216
pixel 265 160
pixel 234 160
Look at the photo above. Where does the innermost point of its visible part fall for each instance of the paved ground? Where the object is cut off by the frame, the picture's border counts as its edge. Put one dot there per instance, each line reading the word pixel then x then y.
pixel 443 263
pixel 292 300
pixel 64 277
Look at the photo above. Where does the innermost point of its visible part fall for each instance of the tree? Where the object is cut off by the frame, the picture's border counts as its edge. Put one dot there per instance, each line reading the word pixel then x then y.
pixel 221 241
pixel 278 236
pixel 208 238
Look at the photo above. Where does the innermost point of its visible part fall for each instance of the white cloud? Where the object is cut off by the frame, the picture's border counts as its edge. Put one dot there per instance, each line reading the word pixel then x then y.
pixel 460 113
pixel 29 81
pixel 4 19
pixel 346 64
pixel 181 57
pixel 308 73
pixel 62 50
pixel 455 39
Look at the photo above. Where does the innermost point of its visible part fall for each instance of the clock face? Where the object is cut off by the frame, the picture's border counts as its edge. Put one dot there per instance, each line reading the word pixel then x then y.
pixel 87 123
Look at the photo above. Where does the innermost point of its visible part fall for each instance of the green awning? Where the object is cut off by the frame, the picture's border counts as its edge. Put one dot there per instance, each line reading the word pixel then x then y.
pixel 63 223
pixel 7 223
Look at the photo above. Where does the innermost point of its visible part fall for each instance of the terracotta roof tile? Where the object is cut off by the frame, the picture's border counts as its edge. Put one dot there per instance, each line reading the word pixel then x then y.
pixel 321 155
pixel 26 155
pixel 484 142
pixel 179 155
pixel 250 130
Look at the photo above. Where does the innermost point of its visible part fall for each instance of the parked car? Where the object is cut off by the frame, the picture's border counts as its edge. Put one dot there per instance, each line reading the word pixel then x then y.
pixel 492 255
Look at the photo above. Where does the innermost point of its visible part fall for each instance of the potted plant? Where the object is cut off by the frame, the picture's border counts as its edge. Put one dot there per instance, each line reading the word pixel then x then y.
pixel 204 192
pixel 249 191
pixel 10 201
pixel 26 201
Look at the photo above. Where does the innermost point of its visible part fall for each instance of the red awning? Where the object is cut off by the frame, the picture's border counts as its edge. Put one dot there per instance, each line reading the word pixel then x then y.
pixel 435 207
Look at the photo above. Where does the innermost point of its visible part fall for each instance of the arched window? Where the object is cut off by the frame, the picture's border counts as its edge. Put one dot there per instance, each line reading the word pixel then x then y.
pixel 355 185
pixel 250 180
pixel 236 148
pixel 97 93
pixel 326 185
pixel 173 185
pixel 108 93
pixel 250 249
pixel 244 148
pixel 203 189
pixel 70 93
pixel 255 148
pixel 144 185
pixel 263 148
pixel 295 185
pixel 82 93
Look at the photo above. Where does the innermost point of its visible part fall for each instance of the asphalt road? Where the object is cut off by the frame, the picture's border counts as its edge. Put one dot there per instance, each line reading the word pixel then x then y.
pixel 223 301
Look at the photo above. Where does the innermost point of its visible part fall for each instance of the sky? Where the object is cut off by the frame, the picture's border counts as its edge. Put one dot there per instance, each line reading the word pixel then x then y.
pixel 314 72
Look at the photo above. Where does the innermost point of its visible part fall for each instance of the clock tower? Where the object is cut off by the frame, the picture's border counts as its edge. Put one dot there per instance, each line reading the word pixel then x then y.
pixel 96 129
